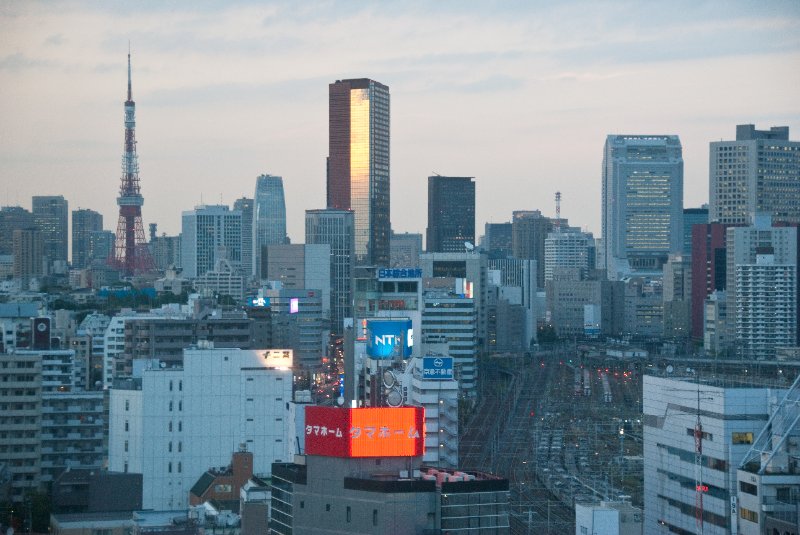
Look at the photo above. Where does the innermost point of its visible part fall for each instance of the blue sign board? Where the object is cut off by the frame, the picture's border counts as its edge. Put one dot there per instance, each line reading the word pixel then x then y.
pixel 400 273
pixel 389 338
pixel 258 301
pixel 440 368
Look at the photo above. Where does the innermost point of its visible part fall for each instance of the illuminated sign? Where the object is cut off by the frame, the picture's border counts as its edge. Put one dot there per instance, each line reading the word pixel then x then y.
pixel 258 302
pixel 439 368
pixel 278 358
pixel 294 305
pixel 403 273
pixel 389 338
pixel 365 432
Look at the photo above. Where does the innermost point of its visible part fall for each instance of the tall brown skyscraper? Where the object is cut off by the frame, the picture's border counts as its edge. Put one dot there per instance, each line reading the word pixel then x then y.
pixel 358 163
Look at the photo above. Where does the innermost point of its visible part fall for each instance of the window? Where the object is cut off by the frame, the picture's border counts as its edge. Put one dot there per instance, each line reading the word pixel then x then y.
pixel 170 406
pixel 748 488
pixel 180 426
pixel 179 467
pixel 348 513
pixel 180 446
pixel 127 404
pixel 180 405
pixel 302 504
pixel 126 445
pixel 127 427
pixel 125 469
pixel 170 386
pixel 169 427
pixel 327 507
pixel 169 446
pixel 742 438
pixel 374 517
pixel 169 467
pixel 747 514
pixel 180 386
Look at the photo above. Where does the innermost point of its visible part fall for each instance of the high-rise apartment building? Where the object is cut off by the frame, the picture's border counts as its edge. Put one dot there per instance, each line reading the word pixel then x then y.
pixel 51 215
pixel 246 207
pixel 337 229
pixel 27 250
pixel 761 288
pixel 166 251
pixel 269 216
pixel 12 218
pixel 451 214
pixel 642 202
pixel 210 233
pixel 84 222
pixel 358 163
pixel 758 172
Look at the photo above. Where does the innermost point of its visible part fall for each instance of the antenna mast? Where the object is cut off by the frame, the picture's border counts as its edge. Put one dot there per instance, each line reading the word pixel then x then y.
pixel 558 211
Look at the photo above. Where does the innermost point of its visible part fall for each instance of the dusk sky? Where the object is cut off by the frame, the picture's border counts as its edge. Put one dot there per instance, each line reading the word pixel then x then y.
pixel 520 95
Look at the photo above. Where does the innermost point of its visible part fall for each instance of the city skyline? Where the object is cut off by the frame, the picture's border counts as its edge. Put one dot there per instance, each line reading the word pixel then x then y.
pixel 543 89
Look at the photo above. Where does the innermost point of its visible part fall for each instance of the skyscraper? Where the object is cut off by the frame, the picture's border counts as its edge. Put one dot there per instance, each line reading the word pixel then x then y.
pixel 269 216
pixel 12 218
pixel 529 229
pixel 27 253
pixel 84 222
pixel 210 233
pixel 246 207
pixel 337 229
pixel 497 239
pixel 642 202
pixel 759 172
pixel 691 217
pixel 358 163
pixel 51 215
pixel 451 214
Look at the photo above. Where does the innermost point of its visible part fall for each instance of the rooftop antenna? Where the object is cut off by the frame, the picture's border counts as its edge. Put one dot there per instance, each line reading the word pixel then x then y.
pixel 558 211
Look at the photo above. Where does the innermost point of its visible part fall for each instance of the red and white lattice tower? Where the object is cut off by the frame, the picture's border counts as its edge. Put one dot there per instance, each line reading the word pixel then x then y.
pixel 131 255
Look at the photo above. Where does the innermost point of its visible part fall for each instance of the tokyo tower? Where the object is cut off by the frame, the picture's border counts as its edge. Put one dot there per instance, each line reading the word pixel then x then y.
pixel 131 255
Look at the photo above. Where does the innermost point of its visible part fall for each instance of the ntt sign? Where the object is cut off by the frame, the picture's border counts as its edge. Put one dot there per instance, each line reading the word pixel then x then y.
pixel 389 338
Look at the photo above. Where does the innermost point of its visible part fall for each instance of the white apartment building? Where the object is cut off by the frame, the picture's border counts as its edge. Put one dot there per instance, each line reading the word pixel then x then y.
pixel 173 424
pixel 730 416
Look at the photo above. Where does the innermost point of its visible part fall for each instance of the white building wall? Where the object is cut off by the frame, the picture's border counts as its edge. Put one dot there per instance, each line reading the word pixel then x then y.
pixel 190 420
pixel 670 415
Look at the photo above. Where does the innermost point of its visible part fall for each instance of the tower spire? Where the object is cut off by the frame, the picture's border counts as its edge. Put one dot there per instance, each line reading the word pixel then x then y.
pixel 130 94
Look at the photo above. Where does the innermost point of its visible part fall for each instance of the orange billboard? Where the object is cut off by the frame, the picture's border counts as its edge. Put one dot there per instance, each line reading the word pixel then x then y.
pixel 365 432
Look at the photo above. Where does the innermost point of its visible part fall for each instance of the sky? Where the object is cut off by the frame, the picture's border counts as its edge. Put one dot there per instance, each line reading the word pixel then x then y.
pixel 520 95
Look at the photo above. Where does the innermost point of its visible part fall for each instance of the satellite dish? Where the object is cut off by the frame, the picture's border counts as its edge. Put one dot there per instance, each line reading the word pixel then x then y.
pixel 389 379
pixel 468 246
pixel 340 401
pixel 163 364
pixel 670 369
pixel 394 398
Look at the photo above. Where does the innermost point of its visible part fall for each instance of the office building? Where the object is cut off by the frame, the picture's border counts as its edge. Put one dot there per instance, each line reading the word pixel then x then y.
pixel 269 216
pixel 51 216
pixel 84 222
pixel 715 323
pixel 529 231
pixel 521 274
pixel 692 217
pixel 758 172
pixel 300 266
pixel 336 228
pixel 172 424
pixel 451 214
pixel 708 269
pixel 768 495
pixel 298 323
pixel 379 485
pixel 677 297
pixel 405 249
pixel 247 207
pixel 569 249
pixel 644 307
pixel 101 245
pixel 608 518
pixel 166 251
pixel 210 233
pixel 13 218
pixel 585 306
pixel 728 419
pixel 761 288
pixel 642 203
pixel 358 163
pixel 498 240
